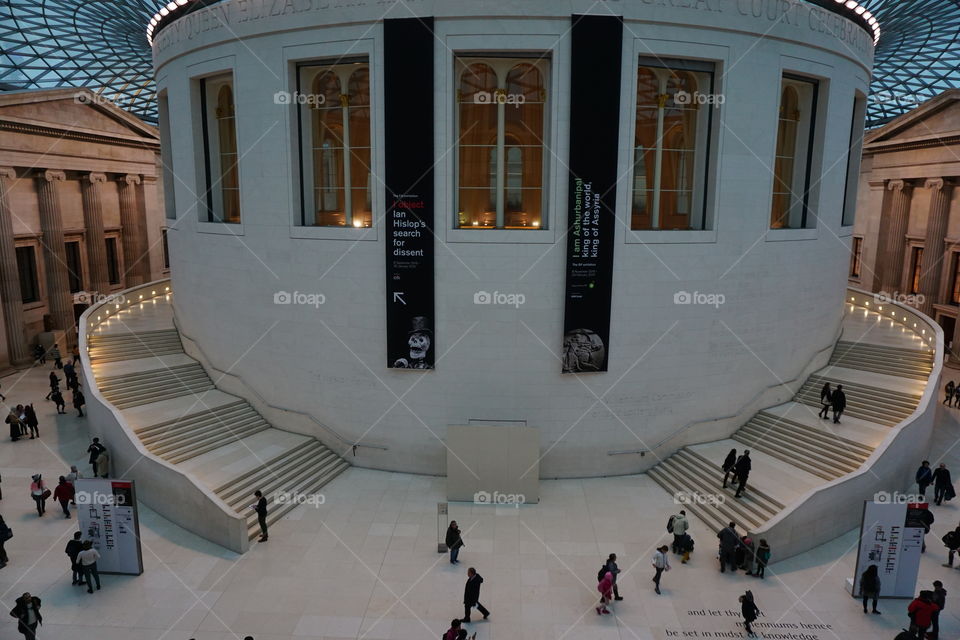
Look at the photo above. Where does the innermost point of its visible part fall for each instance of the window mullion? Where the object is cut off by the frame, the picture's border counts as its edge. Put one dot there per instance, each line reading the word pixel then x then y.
pixel 347 195
pixel 501 164
pixel 658 158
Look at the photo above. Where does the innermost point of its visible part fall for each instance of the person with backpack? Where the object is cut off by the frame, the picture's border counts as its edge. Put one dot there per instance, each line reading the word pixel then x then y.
pixel 749 610
pixel 870 587
pixel 826 397
pixel 612 567
pixel 763 558
pixel 678 526
pixel 921 612
pixel 605 587
pixel 948 390
pixel 924 477
pixel 940 599
pixel 952 541
pixel 727 466
pixel 661 563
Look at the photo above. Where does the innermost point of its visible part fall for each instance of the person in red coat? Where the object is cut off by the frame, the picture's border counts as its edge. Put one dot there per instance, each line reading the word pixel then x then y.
pixel 921 612
pixel 64 493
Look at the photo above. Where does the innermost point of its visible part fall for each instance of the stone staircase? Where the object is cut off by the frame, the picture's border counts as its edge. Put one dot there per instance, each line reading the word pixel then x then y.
pixel 893 361
pixel 793 450
pixel 129 346
pixel 147 372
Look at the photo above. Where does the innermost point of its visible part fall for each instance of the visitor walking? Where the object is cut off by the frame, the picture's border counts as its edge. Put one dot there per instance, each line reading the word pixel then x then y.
pixel 76 354
pixel 5 534
pixel 839 402
pixel 940 599
pixel 743 472
pixel 73 549
pixel 661 563
pixel 956 396
pixel 952 541
pixel 826 398
pixel 605 587
pixel 749 610
pixel 729 540
pixel 870 587
pixel 70 374
pixel 39 493
pixel 948 391
pixel 679 529
pixel 942 486
pixel 612 567
pixel 454 541
pixel 78 402
pixel 88 565
pixel 471 595
pixel 95 449
pixel 64 494
pixel 55 354
pixel 763 558
pixel 261 509
pixel 57 398
pixel 40 354
pixel 921 612
pixel 728 466
pixel 924 477
pixel 27 612
pixel 30 419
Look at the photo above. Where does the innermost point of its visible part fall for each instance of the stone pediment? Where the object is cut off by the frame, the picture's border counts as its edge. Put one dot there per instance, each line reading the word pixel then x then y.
pixel 81 109
pixel 938 118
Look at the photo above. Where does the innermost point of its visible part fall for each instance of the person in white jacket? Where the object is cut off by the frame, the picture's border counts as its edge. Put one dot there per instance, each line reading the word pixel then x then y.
pixel 680 526
pixel 660 562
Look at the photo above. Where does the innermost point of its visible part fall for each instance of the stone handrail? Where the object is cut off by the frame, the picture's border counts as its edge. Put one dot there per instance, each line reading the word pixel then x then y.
pixel 832 509
pixel 174 494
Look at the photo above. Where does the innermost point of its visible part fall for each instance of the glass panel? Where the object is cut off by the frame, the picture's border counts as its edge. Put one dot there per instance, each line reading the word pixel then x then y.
pixel 229 171
pixel 478 208
pixel 785 159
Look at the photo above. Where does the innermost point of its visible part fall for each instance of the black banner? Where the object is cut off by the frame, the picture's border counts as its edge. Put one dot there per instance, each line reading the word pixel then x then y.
pixel 408 148
pixel 594 141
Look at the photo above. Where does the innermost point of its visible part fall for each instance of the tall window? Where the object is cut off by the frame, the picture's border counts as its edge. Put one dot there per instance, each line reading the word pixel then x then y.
pixel 222 175
pixel 113 261
pixel 166 158
pixel 916 260
pixel 955 284
pixel 166 249
pixel 854 153
pixel 792 163
pixel 675 104
pixel 856 256
pixel 334 117
pixel 27 268
pixel 74 267
pixel 501 124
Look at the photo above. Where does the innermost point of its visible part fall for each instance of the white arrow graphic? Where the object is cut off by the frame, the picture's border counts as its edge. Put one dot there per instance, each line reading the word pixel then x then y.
pixel 398 297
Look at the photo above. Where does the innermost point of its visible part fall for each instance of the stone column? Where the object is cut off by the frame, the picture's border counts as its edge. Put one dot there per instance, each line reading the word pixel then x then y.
pixel 10 294
pixel 59 299
pixel 146 271
pixel 901 193
pixel 133 253
pixel 93 221
pixel 932 265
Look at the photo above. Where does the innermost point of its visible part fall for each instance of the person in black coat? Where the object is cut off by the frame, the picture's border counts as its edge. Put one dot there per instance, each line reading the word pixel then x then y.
pixel 5 534
pixel 743 472
pixel 78 402
pixel 727 466
pixel 839 402
pixel 54 384
pixel 750 612
pixel 73 549
pixel 27 613
pixel 948 391
pixel 826 399
pixel 471 595
pixel 729 540
pixel 454 541
pixel 870 587
pixel 941 484
pixel 95 449
pixel 30 417
pixel 261 509
pixel 924 477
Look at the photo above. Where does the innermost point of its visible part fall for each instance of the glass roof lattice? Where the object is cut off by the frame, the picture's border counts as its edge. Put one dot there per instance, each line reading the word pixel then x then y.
pixel 103 45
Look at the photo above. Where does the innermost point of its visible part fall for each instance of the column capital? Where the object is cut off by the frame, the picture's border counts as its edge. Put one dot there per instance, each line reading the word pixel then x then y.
pixel 94 177
pixel 938 183
pixel 51 175
pixel 8 172
pixel 130 178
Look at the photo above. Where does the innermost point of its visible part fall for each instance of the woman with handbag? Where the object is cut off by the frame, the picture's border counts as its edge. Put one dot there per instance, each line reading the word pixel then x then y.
pixel 39 493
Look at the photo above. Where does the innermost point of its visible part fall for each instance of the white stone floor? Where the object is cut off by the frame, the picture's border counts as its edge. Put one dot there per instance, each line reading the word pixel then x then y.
pixel 364 564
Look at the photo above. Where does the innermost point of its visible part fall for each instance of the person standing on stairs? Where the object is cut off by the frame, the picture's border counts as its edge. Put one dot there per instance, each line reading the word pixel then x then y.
pixel 743 472
pixel 942 486
pixel 261 509
pixel 948 390
pixel 727 466
pixel 924 478
pixel 870 587
pixel 839 402
pixel 826 398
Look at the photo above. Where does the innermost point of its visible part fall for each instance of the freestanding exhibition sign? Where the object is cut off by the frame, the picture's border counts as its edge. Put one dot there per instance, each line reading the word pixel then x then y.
pixel 889 540
pixel 107 515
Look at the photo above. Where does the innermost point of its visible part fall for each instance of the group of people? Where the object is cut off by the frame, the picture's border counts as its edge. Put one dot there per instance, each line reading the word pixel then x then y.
pixel 952 393
pixel 739 468
pixel 73 383
pixel 923 611
pixel 64 492
pixel 471 590
pixel 22 421
pixel 834 399
pixel 739 552
pixel 939 478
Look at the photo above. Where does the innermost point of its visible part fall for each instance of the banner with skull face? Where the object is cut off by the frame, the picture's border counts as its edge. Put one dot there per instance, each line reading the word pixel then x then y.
pixel 408 147
pixel 594 144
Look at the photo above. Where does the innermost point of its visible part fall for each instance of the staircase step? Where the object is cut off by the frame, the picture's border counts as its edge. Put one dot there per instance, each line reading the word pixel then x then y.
pixel 817 437
pixel 253 528
pixel 238 485
pixel 149 430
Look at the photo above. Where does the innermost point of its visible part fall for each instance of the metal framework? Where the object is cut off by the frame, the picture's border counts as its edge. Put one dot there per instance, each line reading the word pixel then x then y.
pixel 102 45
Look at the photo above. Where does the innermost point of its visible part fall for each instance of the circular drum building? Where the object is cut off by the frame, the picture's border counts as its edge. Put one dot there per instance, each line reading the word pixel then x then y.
pixel 622 223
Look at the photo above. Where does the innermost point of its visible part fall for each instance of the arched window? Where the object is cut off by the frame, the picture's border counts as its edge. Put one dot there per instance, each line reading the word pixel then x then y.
pixel 221 199
pixel 501 124
pixel 337 189
pixel 791 177
pixel 674 104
